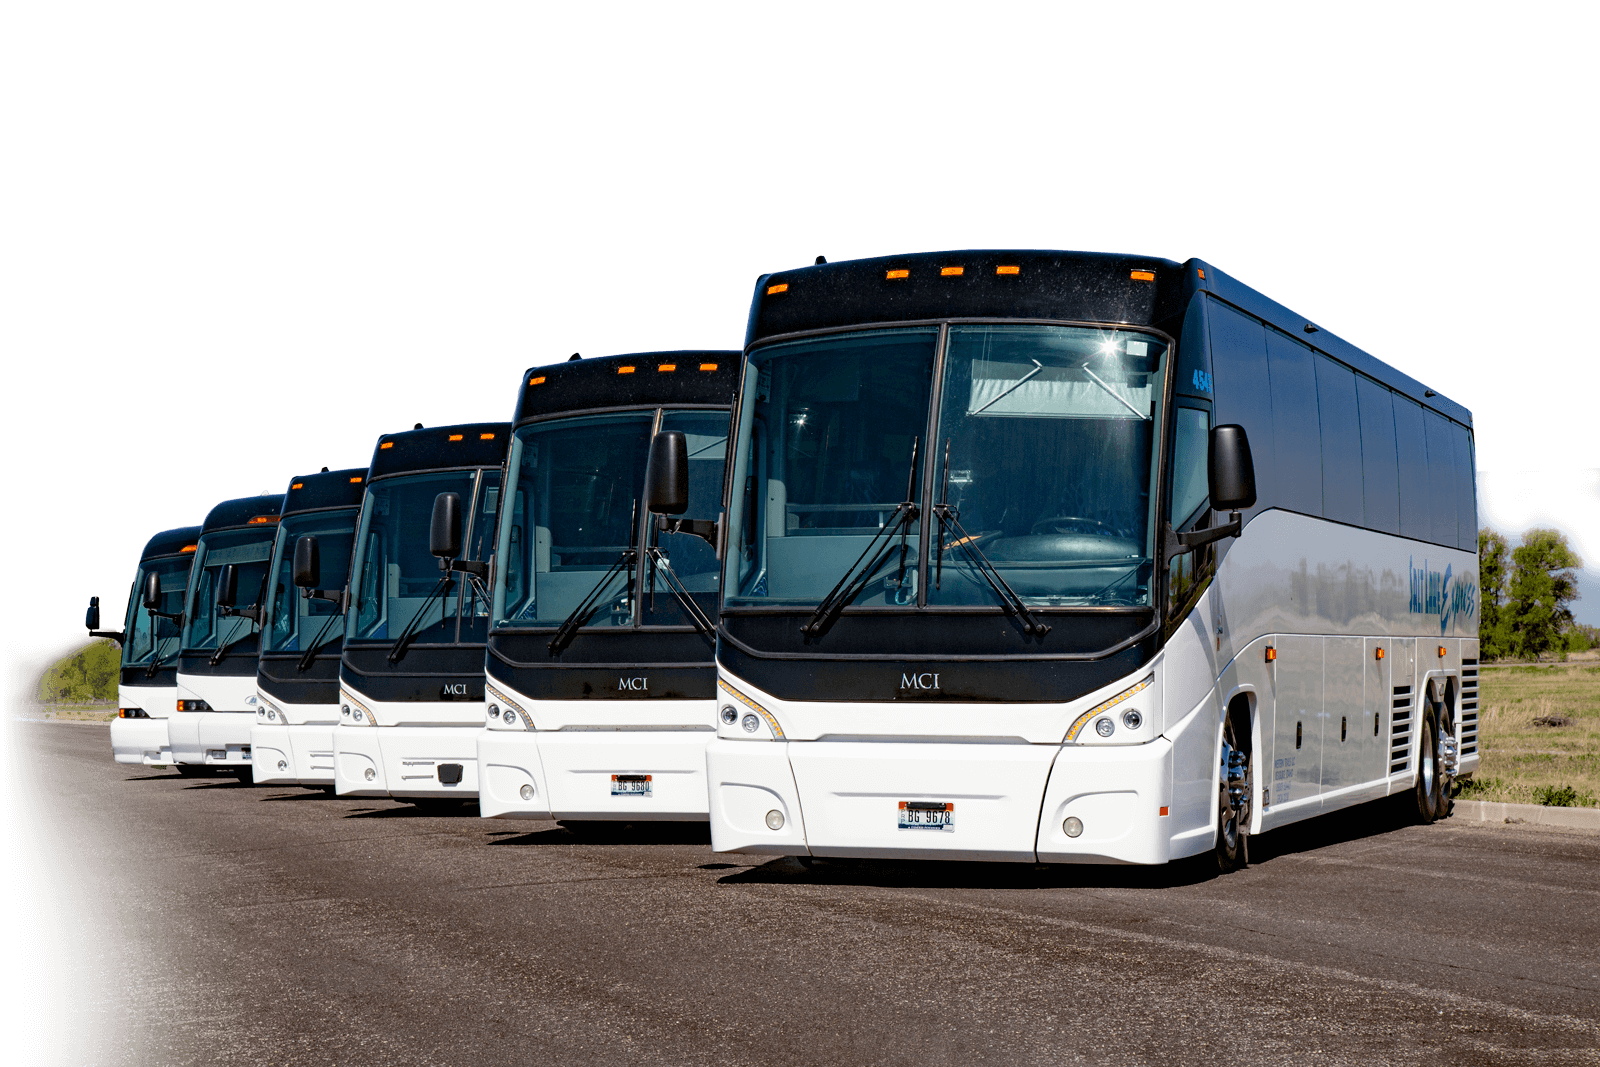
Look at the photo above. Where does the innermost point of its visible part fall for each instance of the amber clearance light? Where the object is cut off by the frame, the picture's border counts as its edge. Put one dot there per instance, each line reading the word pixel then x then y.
pixel 298 485
pixel 665 367
pixel 486 437
pixel 774 290
pixel 356 479
pixel 386 444
pixel 896 275
pixel 951 272
pixel 708 366
pixel 1008 270
pixel 1142 275
pixel 536 381
pixel 188 548
pixel 626 370
pixel 455 437
pixel 262 518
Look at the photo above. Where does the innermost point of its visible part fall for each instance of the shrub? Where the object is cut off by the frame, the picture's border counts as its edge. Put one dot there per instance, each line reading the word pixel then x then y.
pixel 1562 796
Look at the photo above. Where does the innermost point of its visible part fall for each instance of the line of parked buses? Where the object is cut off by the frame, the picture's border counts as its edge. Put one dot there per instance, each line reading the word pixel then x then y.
pixel 994 555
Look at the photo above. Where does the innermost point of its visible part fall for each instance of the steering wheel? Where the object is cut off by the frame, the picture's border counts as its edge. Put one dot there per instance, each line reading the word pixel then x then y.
pixel 1062 520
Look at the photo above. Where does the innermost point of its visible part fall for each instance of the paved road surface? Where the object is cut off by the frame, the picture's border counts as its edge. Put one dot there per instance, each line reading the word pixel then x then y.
pixel 231 924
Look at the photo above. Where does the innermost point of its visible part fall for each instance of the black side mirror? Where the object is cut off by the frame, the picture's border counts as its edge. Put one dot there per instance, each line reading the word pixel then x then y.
pixel 444 536
pixel 151 595
pixel 666 477
pixel 91 618
pixel 1231 473
pixel 307 562
pixel 227 586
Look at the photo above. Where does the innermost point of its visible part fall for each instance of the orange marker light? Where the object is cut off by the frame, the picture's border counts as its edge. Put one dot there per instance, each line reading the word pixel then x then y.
pixel 1380 653
pixel 665 367
pixel 261 519
pixel 486 437
pixel 1201 271
pixel 1008 270
pixel 356 480
pixel 1272 653
pixel 455 437
pixel 189 548
pixel 951 272
pixel 386 444
pixel 1164 809
pixel 298 485
pixel 774 290
pixel 536 381
pixel 708 366
pixel 1142 275
pixel 896 275
pixel 625 370
pixel 1441 651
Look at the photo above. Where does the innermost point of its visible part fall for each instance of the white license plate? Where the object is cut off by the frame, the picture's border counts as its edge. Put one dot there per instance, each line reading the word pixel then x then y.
pixel 630 785
pixel 926 815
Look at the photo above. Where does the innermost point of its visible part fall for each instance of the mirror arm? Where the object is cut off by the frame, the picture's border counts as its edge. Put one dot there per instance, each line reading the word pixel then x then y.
pixel 118 636
pixel 1179 543
pixel 474 567
pixel 705 529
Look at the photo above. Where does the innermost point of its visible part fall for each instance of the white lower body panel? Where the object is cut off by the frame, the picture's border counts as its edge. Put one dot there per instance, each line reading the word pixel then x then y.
pixel 142 741
pixel 211 738
pixel 575 772
pixel 404 761
pixel 299 754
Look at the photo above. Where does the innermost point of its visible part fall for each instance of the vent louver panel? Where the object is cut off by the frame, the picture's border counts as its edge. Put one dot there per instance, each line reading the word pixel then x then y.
pixel 1467 727
pixel 1400 730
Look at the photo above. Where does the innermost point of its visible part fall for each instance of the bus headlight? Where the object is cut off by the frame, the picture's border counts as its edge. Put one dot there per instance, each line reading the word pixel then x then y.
pixel 753 718
pixel 774 820
pixel 1105 726
pixel 1132 719
pixel 526 792
pixel 1073 826
pixel 510 712
pixel 359 715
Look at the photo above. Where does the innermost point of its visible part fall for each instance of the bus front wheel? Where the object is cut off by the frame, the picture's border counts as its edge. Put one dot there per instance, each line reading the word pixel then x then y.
pixel 1233 798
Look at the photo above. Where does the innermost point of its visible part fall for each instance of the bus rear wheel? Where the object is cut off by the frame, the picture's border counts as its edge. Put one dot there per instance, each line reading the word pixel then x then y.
pixel 1233 799
pixel 1429 790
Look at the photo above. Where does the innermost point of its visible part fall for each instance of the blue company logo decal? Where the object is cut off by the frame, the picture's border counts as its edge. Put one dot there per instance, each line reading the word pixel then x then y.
pixel 1434 593
pixel 1202 381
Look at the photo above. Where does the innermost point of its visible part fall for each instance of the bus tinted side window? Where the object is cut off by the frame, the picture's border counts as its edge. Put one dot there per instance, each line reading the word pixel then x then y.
pixel 1341 442
pixel 1441 479
pixel 1466 490
pixel 1297 437
pixel 1190 448
pixel 1380 470
pixel 1243 396
pixel 1413 451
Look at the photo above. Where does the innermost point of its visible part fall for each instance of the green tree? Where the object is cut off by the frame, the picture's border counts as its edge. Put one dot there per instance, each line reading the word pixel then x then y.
pixel 86 676
pixel 1494 639
pixel 1542 586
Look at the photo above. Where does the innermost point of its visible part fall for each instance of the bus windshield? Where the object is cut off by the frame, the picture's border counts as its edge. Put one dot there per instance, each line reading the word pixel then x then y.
pixel 151 638
pixel 297 622
pixel 1041 455
pixel 397 586
pixel 249 551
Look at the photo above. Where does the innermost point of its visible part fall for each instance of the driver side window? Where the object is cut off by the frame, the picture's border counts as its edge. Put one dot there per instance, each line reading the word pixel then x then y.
pixel 1190 447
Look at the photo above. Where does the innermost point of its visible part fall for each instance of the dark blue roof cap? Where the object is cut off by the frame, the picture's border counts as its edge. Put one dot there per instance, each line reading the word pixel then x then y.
pixel 324 490
pixel 171 542
pixel 471 444
pixel 658 378
pixel 244 511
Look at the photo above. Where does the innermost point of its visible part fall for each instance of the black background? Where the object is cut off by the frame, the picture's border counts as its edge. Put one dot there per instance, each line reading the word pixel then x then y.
pixel 196 344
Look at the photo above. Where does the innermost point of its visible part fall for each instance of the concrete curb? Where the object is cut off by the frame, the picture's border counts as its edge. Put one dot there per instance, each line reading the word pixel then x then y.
pixel 1489 811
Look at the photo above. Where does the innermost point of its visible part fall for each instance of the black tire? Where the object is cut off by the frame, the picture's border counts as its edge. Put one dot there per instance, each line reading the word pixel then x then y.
pixel 193 770
pixel 1427 793
pixel 1233 819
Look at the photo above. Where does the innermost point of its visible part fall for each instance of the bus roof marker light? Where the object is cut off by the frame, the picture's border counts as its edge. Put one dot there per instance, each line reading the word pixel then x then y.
pixel 626 370
pixel 666 368
pixel 455 437
pixel 356 480
pixel 298 485
pixel 189 548
pixel 386 444
pixel 780 287
pixel 1202 272
pixel 951 272
pixel 1142 275
pixel 261 519
pixel 1008 269
pixel 486 437
pixel 708 366
pixel 896 275
pixel 536 381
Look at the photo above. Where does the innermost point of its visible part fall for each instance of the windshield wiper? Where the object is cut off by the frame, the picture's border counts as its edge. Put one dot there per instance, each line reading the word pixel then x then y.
pixel 216 657
pixel 1114 394
pixel 663 566
pixel 856 578
pixel 949 518
pixel 158 659
pixel 590 604
pixel 407 635
pixel 317 642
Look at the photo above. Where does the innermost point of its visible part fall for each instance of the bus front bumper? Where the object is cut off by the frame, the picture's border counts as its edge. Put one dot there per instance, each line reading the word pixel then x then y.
pixel 1007 802
pixel 299 754
pixel 142 741
pixel 211 738
pixel 406 761
pixel 601 775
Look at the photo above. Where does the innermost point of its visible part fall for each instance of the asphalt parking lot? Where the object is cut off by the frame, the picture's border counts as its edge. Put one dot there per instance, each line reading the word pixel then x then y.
pixel 233 924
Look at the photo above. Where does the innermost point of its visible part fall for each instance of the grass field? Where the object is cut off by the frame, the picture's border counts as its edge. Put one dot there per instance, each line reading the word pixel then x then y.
pixel 80 712
pixel 1527 764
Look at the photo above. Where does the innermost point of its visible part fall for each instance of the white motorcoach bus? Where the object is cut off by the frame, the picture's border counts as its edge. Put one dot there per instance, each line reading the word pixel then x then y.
pixel 411 673
pixel 216 697
pixel 297 673
pixel 147 680
pixel 601 675
pixel 1003 583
